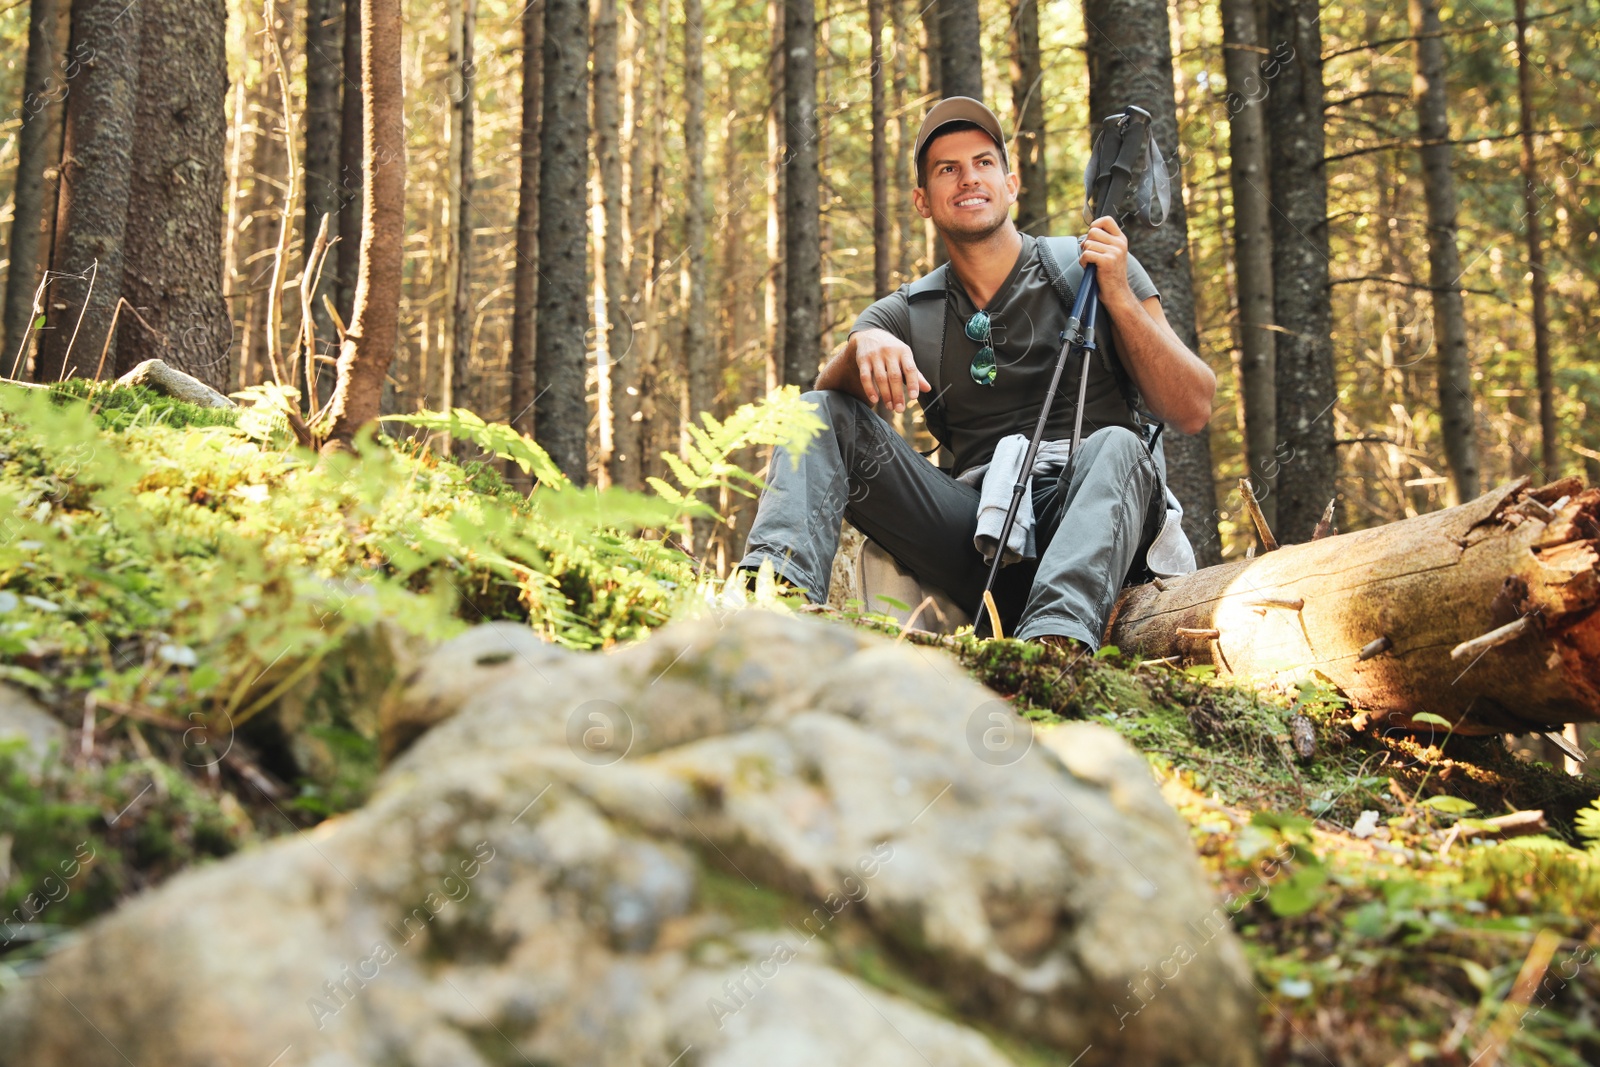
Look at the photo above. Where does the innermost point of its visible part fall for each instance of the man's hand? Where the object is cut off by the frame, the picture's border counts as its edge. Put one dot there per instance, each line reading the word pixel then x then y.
pixel 883 366
pixel 1106 247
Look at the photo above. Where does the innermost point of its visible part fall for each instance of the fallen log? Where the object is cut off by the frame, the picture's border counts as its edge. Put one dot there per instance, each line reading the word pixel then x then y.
pixel 1487 614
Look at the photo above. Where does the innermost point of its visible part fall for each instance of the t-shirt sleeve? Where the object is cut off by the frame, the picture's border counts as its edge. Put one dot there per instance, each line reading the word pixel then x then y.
pixel 1139 280
pixel 891 313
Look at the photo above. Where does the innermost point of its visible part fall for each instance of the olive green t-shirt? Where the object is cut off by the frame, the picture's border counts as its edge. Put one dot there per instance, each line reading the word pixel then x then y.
pixel 1026 319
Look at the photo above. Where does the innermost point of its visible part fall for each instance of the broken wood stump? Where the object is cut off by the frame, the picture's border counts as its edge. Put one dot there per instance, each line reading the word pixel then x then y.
pixel 1487 614
pixel 169 380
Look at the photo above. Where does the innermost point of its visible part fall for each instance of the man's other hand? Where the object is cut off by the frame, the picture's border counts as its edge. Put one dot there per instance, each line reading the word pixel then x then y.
pixel 887 369
pixel 1106 247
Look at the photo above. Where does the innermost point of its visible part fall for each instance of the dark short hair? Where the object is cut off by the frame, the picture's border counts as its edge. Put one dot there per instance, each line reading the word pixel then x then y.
pixel 956 126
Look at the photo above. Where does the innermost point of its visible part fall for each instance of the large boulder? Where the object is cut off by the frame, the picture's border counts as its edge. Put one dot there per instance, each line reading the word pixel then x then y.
pixel 754 839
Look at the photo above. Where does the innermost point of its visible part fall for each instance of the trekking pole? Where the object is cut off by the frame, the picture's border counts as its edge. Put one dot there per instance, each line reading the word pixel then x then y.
pixel 1123 137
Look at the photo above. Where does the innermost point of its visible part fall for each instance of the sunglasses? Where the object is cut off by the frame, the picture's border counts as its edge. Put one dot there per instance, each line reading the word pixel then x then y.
pixel 983 367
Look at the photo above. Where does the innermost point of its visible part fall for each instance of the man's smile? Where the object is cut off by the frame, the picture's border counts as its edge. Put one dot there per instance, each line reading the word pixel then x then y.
pixel 972 200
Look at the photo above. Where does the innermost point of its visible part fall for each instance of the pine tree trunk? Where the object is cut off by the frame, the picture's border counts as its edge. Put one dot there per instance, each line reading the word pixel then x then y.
pixel 1444 258
pixel 525 280
pixel 1252 248
pixel 773 287
pixel 351 140
pixel 562 417
pixel 882 253
pixel 627 469
pixel 802 209
pixel 900 205
pixel 375 326
pixel 960 49
pixel 1549 443
pixel 1306 457
pixel 457 355
pixel 1027 102
pixel 96 175
pixel 699 354
pixel 45 84
pixel 324 77
pixel 616 335
pixel 651 417
pixel 1130 62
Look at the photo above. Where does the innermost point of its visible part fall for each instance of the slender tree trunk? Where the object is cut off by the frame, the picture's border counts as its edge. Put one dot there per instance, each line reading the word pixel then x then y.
pixel 173 242
pixel 900 205
pixel 96 175
pixel 1130 62
pixel 616 333
pixel 457 355
pixel 45 83
pixel 1252 247
pixel 652 439
pixel 882 253
pixel 562 416
pixel 350 148
pixel 773 289
pixel 699 354
pixel 1027 101
pixel 960 49
pixel 1444 258
pixel 627 469
pixel 933 89
pixel 525 279
pixel 374 329
pixel 324 79
pixel 1549 451
pixel 802 209
pixel 1306 457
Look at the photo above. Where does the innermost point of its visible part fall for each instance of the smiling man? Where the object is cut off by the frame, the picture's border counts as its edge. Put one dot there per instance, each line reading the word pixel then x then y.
pixel 975 343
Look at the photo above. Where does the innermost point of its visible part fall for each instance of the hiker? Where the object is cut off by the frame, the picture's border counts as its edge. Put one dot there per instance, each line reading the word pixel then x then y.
pixel 975 342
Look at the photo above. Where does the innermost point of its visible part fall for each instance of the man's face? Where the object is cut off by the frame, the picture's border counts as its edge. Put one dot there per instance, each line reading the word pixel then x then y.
pixel 967 194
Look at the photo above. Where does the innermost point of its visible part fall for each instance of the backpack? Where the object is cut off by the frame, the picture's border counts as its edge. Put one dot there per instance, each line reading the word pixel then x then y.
pixel 926 297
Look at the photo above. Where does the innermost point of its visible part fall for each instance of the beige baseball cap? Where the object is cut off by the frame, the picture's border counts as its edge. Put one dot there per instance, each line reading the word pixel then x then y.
pixel 958 109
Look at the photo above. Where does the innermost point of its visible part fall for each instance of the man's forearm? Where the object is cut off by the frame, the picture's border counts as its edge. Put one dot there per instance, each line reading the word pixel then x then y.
pixel 840 371
pixel 1175 383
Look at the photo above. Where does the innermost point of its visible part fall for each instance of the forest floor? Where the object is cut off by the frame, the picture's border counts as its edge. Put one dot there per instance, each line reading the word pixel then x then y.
pixel 157 554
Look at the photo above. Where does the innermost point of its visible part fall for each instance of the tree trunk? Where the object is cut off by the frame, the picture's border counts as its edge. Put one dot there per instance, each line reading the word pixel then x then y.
pixel 1130 62
pixel 350 163
pixel 1444 259
pixel 561 421
pixel 324 76
pixel 627 468
pixel 96 174
pixel 802 333
pixel 699 354
pixel 525 279
pixel 457 354
pixel 1027 103
pixel 900 205
pixel 960 49
pixel 773 287
pixel 375 326
pixel 881 251
pixel 45 86
pixel 651 437
pixel 1307 464
pixel 1252 248
pixel 1383 613
pixel 1549 443
pixel 616 332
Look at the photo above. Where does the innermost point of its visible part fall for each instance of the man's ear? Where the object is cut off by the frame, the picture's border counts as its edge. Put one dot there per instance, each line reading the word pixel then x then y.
pixel 1013 185
pixel 919 200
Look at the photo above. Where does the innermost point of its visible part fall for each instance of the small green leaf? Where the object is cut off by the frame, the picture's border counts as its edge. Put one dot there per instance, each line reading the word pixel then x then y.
pixel 1430 717
pixel 1450 805
pixel 38 323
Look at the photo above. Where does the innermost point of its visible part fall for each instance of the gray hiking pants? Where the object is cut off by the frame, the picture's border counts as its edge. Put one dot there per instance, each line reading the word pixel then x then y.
pixel 1090 533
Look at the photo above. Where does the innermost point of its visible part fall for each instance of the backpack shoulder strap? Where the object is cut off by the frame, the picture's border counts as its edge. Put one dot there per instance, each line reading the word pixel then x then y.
pixel 926 297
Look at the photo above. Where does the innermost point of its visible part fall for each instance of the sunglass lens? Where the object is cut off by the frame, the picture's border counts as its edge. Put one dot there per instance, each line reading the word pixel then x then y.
pixel 978 327
pixel 983 367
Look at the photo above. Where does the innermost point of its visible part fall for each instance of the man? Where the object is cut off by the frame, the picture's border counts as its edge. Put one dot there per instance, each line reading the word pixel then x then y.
pixel 992 354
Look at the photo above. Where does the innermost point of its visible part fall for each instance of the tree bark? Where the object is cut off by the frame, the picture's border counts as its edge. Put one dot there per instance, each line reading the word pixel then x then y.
pixel 652 439
pixel 900 206
pixel 881 252
pixel 1382 613
pixel 802 208
pixel 627 467
pixel 699 354
pixel 96 175
pixel 1252 248
pixel 1444 258
pixel 1549 442
pixel 961 49
pixel 324 77
pixel 616 332
pixel 1130 62
pixel 45 84
pixel 562 417
pixel 774 300
pixel 525 279
pixel 457 355
pixel 351 141
pixel 1027 103
pixel 375 326
pixel 1307 463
